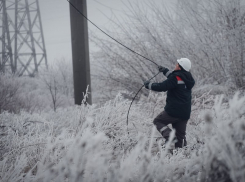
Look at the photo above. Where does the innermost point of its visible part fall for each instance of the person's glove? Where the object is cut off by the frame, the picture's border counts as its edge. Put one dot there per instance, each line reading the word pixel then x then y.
pixel 146 83
pixel 162 69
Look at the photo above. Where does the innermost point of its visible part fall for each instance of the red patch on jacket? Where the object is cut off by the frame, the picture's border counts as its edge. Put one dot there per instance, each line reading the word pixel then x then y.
pixel 178 78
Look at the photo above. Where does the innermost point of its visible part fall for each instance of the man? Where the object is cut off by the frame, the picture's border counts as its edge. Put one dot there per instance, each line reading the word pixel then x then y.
pixel 178 103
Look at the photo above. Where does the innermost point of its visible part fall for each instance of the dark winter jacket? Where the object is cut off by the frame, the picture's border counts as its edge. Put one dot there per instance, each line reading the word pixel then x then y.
pixel 178 86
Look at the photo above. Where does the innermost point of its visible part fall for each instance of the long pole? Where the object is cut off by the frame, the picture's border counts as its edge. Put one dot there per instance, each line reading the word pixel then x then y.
pixel 80 51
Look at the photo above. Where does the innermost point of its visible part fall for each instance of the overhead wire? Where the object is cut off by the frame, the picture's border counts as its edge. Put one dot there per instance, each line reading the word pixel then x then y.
pixel 109 35
pixel 137 94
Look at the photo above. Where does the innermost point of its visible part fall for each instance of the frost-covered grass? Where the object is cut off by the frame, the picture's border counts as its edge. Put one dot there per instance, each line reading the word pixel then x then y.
pixel 93 143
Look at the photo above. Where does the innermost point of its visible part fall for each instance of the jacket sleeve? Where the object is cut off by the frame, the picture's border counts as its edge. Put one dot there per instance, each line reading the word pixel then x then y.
pixel 167 73
pixel 166 85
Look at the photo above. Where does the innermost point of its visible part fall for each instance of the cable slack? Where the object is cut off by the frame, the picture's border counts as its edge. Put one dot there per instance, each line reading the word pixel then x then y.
pixel 137 94
pixel 109 35
pixel 121 45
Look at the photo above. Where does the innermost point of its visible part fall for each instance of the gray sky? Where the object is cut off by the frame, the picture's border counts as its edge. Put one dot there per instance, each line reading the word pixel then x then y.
pixel 56 22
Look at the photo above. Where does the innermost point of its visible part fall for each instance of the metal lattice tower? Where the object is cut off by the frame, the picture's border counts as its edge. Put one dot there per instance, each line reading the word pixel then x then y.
pixel 23 48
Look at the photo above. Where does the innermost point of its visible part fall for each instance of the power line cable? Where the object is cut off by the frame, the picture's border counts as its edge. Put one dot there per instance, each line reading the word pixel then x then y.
pixel 109 35
pixel 137 94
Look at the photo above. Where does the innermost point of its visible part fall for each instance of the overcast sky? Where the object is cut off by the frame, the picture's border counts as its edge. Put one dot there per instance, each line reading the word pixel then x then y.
pixel 56 22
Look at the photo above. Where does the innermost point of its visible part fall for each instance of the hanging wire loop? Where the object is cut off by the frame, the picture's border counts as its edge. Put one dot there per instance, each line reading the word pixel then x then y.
pixel 137 94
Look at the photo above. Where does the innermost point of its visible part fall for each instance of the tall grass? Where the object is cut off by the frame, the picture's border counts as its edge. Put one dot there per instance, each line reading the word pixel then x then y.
pixel 93 143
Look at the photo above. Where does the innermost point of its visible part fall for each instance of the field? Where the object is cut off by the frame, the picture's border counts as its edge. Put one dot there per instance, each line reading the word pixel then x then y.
pixel 93 143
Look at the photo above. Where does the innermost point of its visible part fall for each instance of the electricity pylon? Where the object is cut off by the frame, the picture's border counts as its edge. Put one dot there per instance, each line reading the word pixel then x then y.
pixel 23 48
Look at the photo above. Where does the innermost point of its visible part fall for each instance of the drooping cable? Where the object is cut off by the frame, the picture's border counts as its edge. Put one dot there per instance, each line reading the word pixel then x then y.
pixel 137 94
pixel 109 35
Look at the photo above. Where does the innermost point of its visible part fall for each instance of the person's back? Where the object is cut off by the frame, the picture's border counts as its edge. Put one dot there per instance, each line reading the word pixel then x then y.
pixel 178 103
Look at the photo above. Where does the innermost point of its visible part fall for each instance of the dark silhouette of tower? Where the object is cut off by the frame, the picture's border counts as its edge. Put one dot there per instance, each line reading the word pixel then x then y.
pixel 23 49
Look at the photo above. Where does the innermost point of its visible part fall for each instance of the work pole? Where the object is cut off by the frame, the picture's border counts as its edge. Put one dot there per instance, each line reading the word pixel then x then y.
pixel 80 51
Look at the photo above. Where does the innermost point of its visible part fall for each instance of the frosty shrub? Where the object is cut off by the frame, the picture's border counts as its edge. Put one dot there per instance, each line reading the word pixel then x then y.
pixel 22 94
pixel 58 83
pixel 9 89
pixel 50 89
pixel 91 143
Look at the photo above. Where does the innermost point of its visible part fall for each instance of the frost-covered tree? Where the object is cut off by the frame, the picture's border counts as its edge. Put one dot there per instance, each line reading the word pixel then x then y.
pixel 22 94
pixel 59 84
pixel 214 33
pixel 210 33
pixel 9 90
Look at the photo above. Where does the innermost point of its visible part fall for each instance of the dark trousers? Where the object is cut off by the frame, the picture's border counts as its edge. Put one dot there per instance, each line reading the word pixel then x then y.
pixel 161 122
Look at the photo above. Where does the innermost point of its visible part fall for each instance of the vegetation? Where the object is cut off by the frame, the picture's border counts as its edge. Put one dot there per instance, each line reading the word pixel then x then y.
pixel 44 137
pixel 95 144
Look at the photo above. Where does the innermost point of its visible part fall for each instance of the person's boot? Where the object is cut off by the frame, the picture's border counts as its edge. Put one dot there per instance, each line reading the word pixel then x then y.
pixel 180 144
pixel 172 145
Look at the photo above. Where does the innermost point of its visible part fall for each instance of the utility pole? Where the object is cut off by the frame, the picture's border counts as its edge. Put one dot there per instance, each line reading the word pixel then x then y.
pixel 80 51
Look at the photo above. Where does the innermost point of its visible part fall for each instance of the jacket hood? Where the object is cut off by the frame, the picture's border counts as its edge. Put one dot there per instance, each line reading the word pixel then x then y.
pixel 186 77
